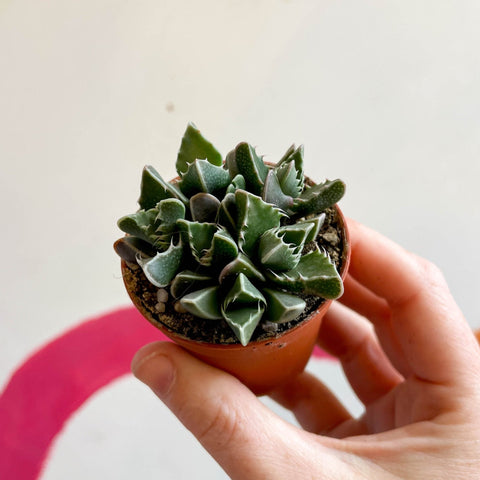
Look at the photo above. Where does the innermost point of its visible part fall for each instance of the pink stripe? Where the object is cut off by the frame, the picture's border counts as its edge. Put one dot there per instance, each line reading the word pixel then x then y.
pixel 54 382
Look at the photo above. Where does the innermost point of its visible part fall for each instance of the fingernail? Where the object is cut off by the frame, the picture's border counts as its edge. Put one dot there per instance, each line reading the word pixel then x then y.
pixel 155 370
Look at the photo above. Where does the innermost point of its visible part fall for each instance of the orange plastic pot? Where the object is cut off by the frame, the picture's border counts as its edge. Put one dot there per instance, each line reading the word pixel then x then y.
pixel 261 365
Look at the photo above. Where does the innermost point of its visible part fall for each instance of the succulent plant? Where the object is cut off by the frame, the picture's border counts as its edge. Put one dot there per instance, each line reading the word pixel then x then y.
pixel 233 240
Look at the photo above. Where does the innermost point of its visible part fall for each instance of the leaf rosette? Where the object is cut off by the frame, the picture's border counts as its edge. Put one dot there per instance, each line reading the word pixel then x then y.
pixel 233 241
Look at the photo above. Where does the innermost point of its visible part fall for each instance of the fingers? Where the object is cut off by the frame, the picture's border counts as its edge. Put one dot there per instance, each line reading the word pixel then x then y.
pixel 434 338
pixel 231 423
pixel 352 340
pixel 376 309
pixel 313 404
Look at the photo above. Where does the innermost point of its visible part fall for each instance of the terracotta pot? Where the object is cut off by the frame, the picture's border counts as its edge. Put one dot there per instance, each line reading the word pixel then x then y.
pixel 261 365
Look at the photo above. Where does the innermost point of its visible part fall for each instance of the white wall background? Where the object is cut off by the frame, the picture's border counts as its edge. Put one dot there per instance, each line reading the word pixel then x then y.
pixel 384 94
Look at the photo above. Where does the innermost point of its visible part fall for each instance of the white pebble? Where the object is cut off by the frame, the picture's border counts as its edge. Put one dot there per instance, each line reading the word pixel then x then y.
pixel 160 307
pixel 162 295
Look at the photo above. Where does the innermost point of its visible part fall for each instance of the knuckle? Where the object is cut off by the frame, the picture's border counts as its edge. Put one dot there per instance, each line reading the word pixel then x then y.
pixel 432 273
pixel 222 426
pixel 428 271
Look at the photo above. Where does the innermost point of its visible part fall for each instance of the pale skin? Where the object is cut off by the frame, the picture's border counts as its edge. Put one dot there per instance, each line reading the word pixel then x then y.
pixel 407 352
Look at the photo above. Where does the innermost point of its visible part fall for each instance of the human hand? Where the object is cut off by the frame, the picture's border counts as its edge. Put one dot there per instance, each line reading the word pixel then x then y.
pixel 415 365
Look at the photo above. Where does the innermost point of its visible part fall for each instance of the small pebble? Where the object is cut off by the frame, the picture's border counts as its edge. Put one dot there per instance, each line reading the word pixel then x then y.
pixel 160 307
pixel 178 308
pixel 162 295
pixel 270 327
pixel 331 237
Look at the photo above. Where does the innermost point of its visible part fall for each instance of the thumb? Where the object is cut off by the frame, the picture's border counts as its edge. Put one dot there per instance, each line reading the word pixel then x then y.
pixel 242 434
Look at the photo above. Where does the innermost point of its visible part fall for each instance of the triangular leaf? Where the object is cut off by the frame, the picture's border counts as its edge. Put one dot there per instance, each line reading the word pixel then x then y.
pixel 198 236
pixel 246 162
pixel 223 250
pixel 242 264
pixel 275 253
pixel 243 308
pixel 202 176
pixel 296 233
pixel 317 223
pixel 237 183
pixel 319 197
pixel 195 146
pixel 203 303
pixel 288 179
pixel 272 192
pixel 187 281
pixel 154 188
pixel 282 307
pixel 254 218
pixel 161 269
pixel 243 292
pixel 244 321
pixel 315 274
pixel 140 224
pixel 294 155
pixel 287 155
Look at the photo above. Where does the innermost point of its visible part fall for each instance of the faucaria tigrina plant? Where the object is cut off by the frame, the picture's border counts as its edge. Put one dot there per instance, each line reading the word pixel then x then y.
pixel 228 239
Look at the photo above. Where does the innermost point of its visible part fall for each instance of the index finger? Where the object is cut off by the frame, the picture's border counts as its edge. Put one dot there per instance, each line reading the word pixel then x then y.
pixel 431 330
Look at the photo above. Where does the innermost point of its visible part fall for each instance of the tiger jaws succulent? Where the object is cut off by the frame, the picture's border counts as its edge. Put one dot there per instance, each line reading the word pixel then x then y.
pixel 232 243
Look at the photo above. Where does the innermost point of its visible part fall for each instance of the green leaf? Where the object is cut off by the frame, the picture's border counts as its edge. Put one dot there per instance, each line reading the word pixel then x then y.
pixel 195 146
pixel 187 281
pixel 244 321
pixel 198 236
pixel 154 188
pixel 319 197
pixel 315 274
pixel 246 162
pixel 231 164
pixel 238 183
pixel 280 248
pixel 282 307
pixel 317 223
pixel 242 264
pixel 222 251
pixel 202 176
pixel 243 308
pixel 227 214
pixel 272 192
pixel 204 207
pixel 285 169
pixel 254 218
pixel 275 253
pixel 169 211
pixel 296 233
pixel 203 303
pixel 295 154
pixel 287 155
pixel 288 179
pixel 140 224
pixel 129 247
pixel 161 269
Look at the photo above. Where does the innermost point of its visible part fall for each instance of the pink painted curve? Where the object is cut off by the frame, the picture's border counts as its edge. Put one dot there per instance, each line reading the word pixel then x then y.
pixel 56 380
